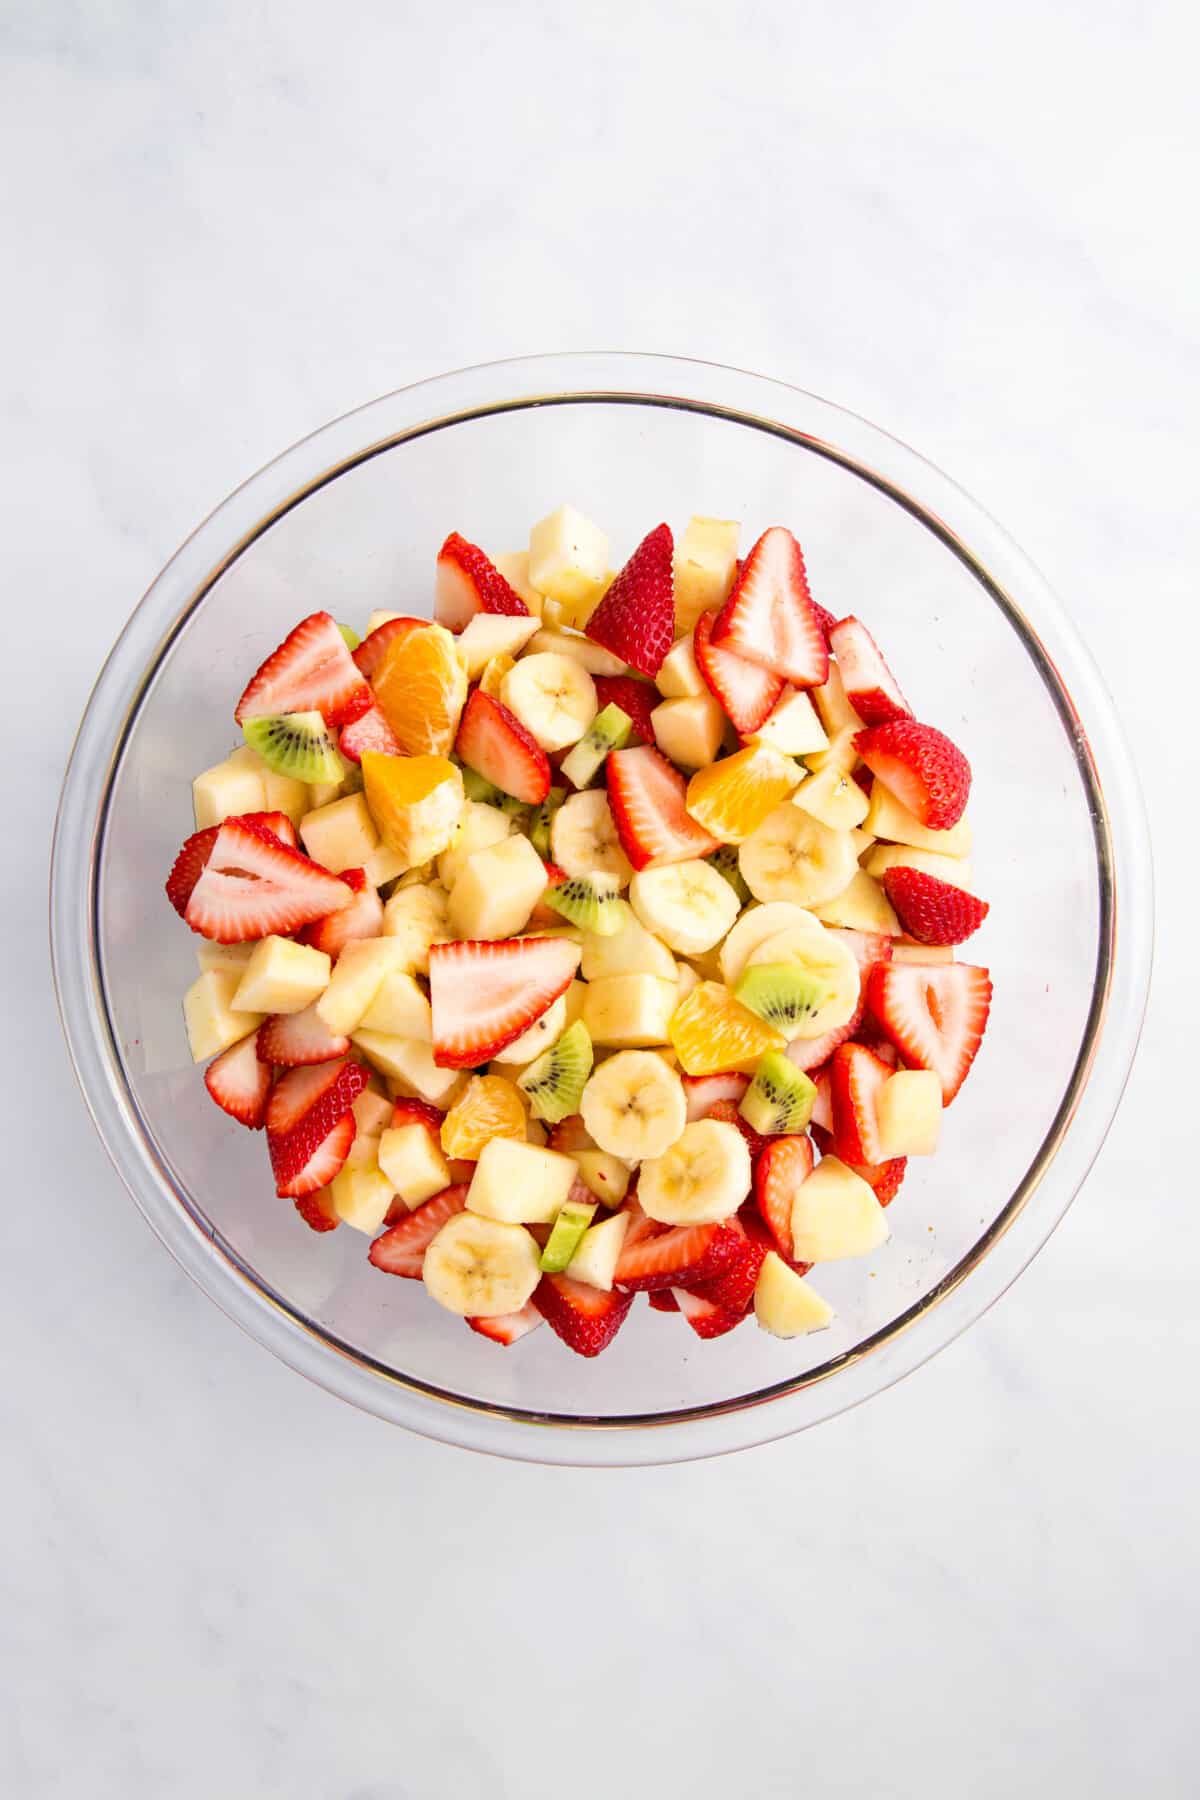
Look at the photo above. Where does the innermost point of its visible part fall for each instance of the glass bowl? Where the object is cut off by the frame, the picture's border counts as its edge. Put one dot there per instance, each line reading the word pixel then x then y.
pixel 350 519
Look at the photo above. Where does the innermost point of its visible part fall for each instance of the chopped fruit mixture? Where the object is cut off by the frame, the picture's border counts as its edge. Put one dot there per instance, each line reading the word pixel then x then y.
pixel 594 937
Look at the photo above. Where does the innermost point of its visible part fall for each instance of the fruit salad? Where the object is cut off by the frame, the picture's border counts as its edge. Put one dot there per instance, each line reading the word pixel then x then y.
pixel 596 936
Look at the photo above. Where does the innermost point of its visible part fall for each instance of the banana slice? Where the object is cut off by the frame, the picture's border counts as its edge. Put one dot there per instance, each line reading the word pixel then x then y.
pixel 584 841
pixel 480 1267
pixel 634 1105
pixel 687 904
pixel 701 1179
pixel 827 958
pixel 794 857
pixel 755 926
pixel 553 696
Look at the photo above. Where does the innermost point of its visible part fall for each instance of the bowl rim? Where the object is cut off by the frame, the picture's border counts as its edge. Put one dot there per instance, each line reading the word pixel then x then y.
pixel 1122 863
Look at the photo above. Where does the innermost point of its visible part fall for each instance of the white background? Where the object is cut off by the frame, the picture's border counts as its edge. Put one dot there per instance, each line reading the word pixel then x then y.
pixel 225 222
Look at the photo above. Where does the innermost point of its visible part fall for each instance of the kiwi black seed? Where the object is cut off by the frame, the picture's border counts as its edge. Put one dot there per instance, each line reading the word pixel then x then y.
pixel 780 1098
pixel 296 744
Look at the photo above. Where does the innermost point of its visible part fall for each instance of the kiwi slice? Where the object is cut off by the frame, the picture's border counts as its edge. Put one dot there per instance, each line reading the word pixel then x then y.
pixel 784 994
pixel 351 636
pixel 566 1235
pixel 779 1099
pixel 609 730
pixel 296 744
pixel 589 901
pixel 725 862
pixel 555 1082
pixel 543 818
pixel 477 787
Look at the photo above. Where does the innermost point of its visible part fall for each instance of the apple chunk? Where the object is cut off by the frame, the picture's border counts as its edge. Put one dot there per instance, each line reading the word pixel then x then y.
pixel 909 1112
pixel 520 1184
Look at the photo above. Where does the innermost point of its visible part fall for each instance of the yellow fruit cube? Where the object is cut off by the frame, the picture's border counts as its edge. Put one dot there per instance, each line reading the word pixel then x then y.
pixel 606 1176
pixel 384 865
pixel 689 730
pixel 357 977
pixel 889 818
pixel 400 1009
pixel 568 556
pixel 379 618
pixel 835 1214
pixel 793 728
pixel 412 1160
pixel 953 869
pixel 212 1024
pixel 361 1197
pixel 835 710
pixel 372 1115
pixel 632 950
pixel 922 953
pixel 341 835
pixel 409 1065
pixel 909 1113
pixel 705 565
pixel 595 1261
pixel 223 956
pixel 840 752
pixel 226 790
pixel 492 634
pixel 282 977
pixel 785 1304
pixel 416 916
pixel 680 678
pixel 863 906
pixel 322 794
pixel 629 1012
pixel 497 890
pixel 834 798
pixel 520 1184
pixel 479 827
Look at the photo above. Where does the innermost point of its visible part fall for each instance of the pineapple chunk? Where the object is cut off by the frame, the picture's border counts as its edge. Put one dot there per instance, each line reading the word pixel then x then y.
pixel 889 818
pixel 519 1184
pixel 212 1024
pixel 479 827
pixel 833 798
pixel 705 565
pixel 793 728
pixel 384 865
pixel 282 977
pixel 361 1196
pixel 497 890
pixel 223 956
pixel 835 710
pixel 400 1009
pixel 514 566
pixel 630 951
pixel 568 557
pixel 595 1261
pixel 909 1111
pixel 680 678
pixel 863 906
pixel 953 869
pixel 629 1012
pixel 341 835
pixel 226 790
pixel 785 1304
pixel 411 1158
pixel 357 978
pixel 409 1064
pixel 835 1214
pixel 491 634
pixel 690 730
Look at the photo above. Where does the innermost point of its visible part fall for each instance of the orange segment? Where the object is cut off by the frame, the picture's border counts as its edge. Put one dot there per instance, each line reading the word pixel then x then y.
pixel 415 802
pixel 421 689
pixel 489 1107
pixel 713 1033
pixel 731 798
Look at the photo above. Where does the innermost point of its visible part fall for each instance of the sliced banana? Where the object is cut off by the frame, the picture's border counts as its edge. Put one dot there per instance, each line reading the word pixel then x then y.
pixel 794 857
pixel 584 841
pixel 480 1267
pixel 634 1105
pixel 418 915
pixel 553 696
pixel 755 926
pixel 701 1179
pixel 826 957
pixel 592 657
pixel 687 904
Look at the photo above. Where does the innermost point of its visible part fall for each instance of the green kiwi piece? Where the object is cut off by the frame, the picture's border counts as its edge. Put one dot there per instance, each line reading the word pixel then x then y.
pixel 589 901
pixel 566 1235
pixel 296 744
pixel 609 730
pixel 779 1099
pixel 554 1084
pixel 477 787
pixel 351 636
pixel 725 862
pixel 543 818
pixel 784 994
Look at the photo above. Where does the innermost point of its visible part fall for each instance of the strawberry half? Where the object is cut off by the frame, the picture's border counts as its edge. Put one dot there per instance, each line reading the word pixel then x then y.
pixel 871 688
pixel 933 911
pixel 703 1092
pixel 368 658
pixel 769 618
pixel 312 671
pixel 825 619
pixel 811 1053
pixel 192 860
pixel 418 1112
pixel 662 1300
pixel 492 741
pixel 484 994
pixel 885 1179
pixel 585 1318
pixel 570 1134
pixel 252 886
pixel 919 764
pixel 746 693
pixel 677 1257
pixel 934 1014
pixel 822 1112
pixel 867 947
pixel 310 1125
pixel 647 796
pixel 733 1288
pixel 707 1317
pixel 294 1040
pixel 636 618
pixel 239 1084
pixel 509 1328
pixel 783 1165
pixel 363 918
pixel 317 1211
pixel 636 699
pixel 856 1075
pixel 327 1159
pixel 400 1250
pixel 371 732
pixel 468 582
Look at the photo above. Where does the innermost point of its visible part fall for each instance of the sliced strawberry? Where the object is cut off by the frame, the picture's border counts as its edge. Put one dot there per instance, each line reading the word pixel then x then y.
pixel 871 688
pixel 293 1040
pixel 400 1250
pixel 769 618
pixel 277 823
pixel 646 794
pixel 305 1106
pixel 368 658
pixel 485 994
pixel 189 866
pixel 933 911
pixel 726 1111
pixel 326 1159
pixel 312 671
pixel 857 1075
pixel 636 699
pixel 878 1045
pixel 585 1318
pixel 733 1288
pixel 919 764
pixel 677 1257
pixel 468 582
pixel 371 732
pixel 707 1318
pixel 884 1178
pixel 636 617
pixel 317 1211
pixel 418 1112
pixel 783 1165
pixel 746 693
pixel 867 947
pixel 822 1112
pixel 812 1053
pixel 492 741
pixel 253 886
pixel 662 1300
pixel 934 1014
pixel 239 1084
pixel 508 1328
pixel 570 1134
pixel 702 1092
pixel 363 918
pixel 825 619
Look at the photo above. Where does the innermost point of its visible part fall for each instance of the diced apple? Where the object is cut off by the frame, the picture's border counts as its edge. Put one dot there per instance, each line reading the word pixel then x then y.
pixel 605 1176
pixel 840 752
pixel 568 556
pixel 514 566
pixel 629 1012
pixel 322 794
pixel 519 1184
pixel 541 1034
pixel 861 841
pixel 497 890
pixel 909 1112
pixel 341 835
pixel 680 678
pixel 383 865
pixel 361 1197
pixel 705 565
pixel 889 818
pixel 793 728
pixel 491 634
pixel 282 977
pixel 632 950
pixel 412 1160
pixel 863 906
pixel 226 790
pixel 689 731
pixel 409 1064
pixel 573 1001
pixel 835 1214
pixel 834 798
pixel 785 1304
pixel 592 657
pixel 212 1024
pixel 358 975
pixel 835 710
pixel 372 1115
pixel 595 1261
pixel 400 1009
pixel 954 869
pixel 479 827
pixel 223 956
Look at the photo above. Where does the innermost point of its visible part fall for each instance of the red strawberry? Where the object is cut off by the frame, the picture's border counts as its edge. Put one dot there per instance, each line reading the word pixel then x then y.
pixel 375 646
pixel 485 994
pixel 871 688
pixel 704 1091
pixel 507 1328
pixel 239 1084
pixel 570 1134
pixel 192 860
pixel 363 918
pixel 662 1300
pixel 747 693
pixel 783 1165
pixel 253 886
pixel 418 1112
pixel 316 1210
pixel 822 1112
pixel 825 619
pixel 305 1114
pixel 585 1318
pixel 327 1159
pixel 769 618
pixel 857 1075
pixel 707 1318
pixel 400 1250
pixel 637 699
pixel 646 794
pixel 920 765
pixel 878 1045
pixel 492 741
pixel 933 911
pixel 293 1040
pixel 811 1053
pixel 884 1178
pixel 680 1256
pixel 468 582
pixel 371 732
pixel 312 671
pixel 733 1288
pixel 935 1015
pixel 542 913
pixel 277 823
pixel 636 618
pixel 726 1111
pixel 867 947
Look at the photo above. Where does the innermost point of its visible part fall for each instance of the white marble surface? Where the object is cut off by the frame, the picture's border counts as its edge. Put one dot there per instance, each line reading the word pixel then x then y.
pixel 224 224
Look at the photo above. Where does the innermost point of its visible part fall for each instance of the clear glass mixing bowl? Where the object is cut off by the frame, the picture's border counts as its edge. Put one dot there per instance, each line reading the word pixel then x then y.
pixel 350 519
